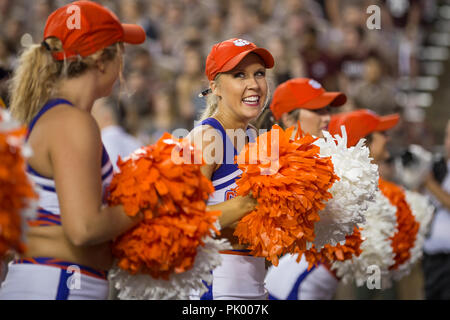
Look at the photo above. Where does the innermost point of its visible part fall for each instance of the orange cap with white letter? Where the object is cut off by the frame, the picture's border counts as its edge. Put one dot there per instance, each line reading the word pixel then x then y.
pixel 303 93
pixel 226 55
pixel 359 124
pixel 84 27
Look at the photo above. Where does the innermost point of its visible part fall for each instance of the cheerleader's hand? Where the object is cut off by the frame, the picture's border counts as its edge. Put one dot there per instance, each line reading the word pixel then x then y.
pixel 248 203
pixel 234 209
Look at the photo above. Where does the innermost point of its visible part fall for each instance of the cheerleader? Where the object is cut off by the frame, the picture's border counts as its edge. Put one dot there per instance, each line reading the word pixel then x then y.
pixel 53 91
pixel 236 70
pixel 413 219
pixel 437 247
pixel 313 284
pixel 366 124
pixel 303 100
pixel 306 101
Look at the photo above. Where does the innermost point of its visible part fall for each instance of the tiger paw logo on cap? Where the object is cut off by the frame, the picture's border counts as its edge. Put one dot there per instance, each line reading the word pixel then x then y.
pixel 241 43
pixel 315 84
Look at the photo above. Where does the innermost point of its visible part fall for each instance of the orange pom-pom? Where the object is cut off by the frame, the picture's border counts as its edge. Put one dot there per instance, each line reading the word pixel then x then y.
pixel 328 254
pixel 15 189
pixel 163 245
pixel 291 188
pixel 165 182
pixel 407 226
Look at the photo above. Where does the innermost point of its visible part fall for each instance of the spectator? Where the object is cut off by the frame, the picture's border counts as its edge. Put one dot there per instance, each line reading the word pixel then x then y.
pixel 436 263
pixel 4 77
pixel 140 59
pixel 317 62
pixel 376 90
pixel 6 54
pixel 288 64
pixel 163 118
pixel 13 33
pixel 188 85
pixel 137 100
pixel 116 141
pixel 41 10
pixel 324 39
pixel 6 62
pixel 351 60
pixel 214 28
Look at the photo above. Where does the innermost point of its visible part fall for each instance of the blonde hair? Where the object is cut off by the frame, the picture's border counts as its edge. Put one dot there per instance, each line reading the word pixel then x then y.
pixel 212 103
pixel 34 81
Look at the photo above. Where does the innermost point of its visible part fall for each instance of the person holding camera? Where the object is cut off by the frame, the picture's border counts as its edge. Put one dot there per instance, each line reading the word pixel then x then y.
pixel 436 262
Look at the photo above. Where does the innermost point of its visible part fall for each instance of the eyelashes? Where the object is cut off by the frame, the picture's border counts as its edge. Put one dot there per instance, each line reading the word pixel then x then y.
pixel 241 74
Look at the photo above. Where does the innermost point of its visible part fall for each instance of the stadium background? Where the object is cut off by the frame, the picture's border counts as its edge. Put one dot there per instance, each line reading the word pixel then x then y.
pixel 402 67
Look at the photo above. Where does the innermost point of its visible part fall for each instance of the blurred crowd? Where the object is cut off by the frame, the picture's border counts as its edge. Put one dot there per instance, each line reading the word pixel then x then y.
pixel 327 40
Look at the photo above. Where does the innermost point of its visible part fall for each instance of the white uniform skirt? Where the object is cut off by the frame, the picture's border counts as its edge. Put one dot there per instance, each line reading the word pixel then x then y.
pixel 239 277
pixel 293 281
pixel 30 281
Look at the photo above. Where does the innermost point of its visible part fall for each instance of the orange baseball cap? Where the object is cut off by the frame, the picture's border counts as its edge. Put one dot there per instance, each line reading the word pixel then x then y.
pixel 84 27
pixel 361 123
pixel 226 55
pixel 303 93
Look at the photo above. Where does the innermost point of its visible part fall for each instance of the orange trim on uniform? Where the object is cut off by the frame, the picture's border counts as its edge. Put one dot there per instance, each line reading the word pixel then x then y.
pixel 236 252
pixel 45 219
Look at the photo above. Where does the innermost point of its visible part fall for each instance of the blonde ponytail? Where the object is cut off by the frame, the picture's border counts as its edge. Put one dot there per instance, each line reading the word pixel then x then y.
pixel 212 103
pixel 32 83
pixel 35 80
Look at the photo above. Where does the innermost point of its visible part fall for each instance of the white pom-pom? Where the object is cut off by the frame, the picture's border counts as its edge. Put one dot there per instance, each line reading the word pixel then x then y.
pixel 423 211
pixel 179 286
pixel 351 194
pixel 376 248
pixel 7 125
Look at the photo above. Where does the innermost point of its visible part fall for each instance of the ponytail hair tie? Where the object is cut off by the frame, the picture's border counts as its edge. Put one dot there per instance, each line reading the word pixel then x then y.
pixel 46 45
pixel 205 93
